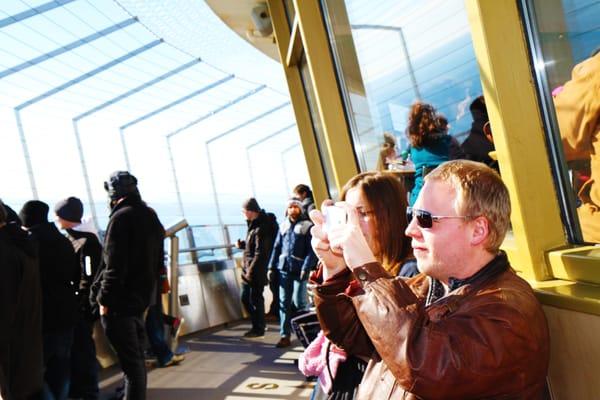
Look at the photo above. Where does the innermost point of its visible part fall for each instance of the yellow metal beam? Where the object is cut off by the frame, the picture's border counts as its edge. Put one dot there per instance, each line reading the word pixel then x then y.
pixel 329 102
pixel 299 103
pixel 501 53
pixel 294 50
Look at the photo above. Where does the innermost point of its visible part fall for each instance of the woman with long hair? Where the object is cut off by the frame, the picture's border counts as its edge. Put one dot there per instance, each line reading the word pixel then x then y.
pixel 379 201
pixel 429 142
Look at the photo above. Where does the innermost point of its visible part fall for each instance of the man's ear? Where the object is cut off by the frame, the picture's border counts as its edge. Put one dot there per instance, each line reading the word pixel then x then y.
pixel 480 230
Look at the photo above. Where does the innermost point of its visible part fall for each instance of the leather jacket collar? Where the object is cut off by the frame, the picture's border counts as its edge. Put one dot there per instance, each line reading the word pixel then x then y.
pixel 495 267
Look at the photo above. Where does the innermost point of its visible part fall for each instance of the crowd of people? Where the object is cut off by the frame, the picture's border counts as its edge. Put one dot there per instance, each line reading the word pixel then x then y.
pixel 413 296
pixel 55 286
pixel 414 300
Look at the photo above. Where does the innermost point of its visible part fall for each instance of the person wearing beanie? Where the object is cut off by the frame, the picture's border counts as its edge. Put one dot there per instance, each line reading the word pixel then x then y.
pixel 58 269
pixel 87 247
pixel 293 259
pixel 127 284
pixel 257 250
pixel 33 213
pixel 21 358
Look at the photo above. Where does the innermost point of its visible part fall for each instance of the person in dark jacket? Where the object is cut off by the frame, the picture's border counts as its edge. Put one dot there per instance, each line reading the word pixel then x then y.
pixel 21 360
pixel 84 366
pixel 257 250
pixel 124 288
pixel 294 259
pixel 477 146
pixel 59 271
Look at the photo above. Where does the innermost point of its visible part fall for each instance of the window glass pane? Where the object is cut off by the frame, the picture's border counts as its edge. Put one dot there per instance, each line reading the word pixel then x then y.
pixel 290 12
pixel 565 39
pixel 317 126
pixel 391 53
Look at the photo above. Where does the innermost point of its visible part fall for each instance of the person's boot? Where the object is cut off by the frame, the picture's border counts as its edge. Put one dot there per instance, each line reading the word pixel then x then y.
pixel 176 359
pixel 284 342
pixel 253 334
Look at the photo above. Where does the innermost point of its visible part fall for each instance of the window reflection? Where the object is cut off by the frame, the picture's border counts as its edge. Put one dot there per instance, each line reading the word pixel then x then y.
pixel 389 56
pixel 568 35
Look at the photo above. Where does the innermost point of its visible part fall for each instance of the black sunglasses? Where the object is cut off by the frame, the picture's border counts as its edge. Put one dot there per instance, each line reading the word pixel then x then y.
pixel 425 219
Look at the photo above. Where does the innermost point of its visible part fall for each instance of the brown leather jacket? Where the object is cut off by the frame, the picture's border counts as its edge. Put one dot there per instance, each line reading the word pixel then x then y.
pixel 486 339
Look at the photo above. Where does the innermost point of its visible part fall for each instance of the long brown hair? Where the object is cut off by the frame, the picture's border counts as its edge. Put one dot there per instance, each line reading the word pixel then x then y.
pixel 387 199
pixel 423 121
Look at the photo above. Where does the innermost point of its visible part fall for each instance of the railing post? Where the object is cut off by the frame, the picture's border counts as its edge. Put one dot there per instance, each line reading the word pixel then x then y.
pixel 174 275
pixel 189 231
pixel 228 250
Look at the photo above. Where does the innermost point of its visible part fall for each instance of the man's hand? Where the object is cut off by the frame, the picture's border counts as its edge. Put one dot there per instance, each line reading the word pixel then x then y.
pixel 103 310
pixel 332 262
pixel 240 244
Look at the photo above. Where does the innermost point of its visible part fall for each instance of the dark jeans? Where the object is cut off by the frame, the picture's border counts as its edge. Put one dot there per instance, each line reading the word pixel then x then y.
pixel 274 288
pixel 254 302
pixel 156 334
pixel 84 366
pixel 126 335
pixel 291 289
pixel 57 364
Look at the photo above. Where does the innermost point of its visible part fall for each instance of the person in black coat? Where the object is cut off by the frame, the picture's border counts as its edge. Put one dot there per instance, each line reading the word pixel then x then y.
pixel 59 271
pixel 257 251
pixel 477 146
pixel 124 288
pixel 87 247
pixel 21 363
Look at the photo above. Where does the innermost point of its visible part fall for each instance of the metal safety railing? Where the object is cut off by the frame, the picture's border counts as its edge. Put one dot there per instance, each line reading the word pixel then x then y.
pixel 173 254
pixel 213 237
pixel 217 237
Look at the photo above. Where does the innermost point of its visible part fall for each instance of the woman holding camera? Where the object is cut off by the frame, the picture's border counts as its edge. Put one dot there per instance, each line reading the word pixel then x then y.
pixel 380 202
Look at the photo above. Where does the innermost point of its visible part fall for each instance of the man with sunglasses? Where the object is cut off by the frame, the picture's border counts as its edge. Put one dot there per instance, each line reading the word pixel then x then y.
pixel 467 327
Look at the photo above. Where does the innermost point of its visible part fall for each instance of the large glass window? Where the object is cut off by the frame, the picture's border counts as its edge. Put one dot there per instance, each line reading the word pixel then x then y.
pixel 391 53
pixel 307 83
pixel 565 42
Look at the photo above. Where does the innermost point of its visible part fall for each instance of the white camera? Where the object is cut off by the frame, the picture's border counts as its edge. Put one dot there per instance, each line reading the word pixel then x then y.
pixel 334 217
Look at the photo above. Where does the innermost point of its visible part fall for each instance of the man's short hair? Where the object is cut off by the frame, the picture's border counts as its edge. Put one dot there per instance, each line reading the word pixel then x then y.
pixel 479 192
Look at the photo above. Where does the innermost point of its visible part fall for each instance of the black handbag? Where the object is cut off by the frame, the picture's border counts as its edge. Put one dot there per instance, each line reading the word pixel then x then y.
pixel 306 327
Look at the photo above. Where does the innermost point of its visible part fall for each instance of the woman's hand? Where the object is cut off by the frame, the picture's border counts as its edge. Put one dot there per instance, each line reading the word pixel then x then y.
pixel 350 241
pixel 332 262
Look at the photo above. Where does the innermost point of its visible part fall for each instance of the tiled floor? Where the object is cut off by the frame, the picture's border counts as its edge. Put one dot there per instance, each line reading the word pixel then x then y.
pixel 223 365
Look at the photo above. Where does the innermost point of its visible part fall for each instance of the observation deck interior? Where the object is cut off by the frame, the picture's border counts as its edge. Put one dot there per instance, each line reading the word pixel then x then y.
pixel 221 364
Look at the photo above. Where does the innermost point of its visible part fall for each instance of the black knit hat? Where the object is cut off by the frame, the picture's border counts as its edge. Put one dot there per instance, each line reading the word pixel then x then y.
pixel 121 184
pixel 251 205
pixel 69 209
pixel 33 213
